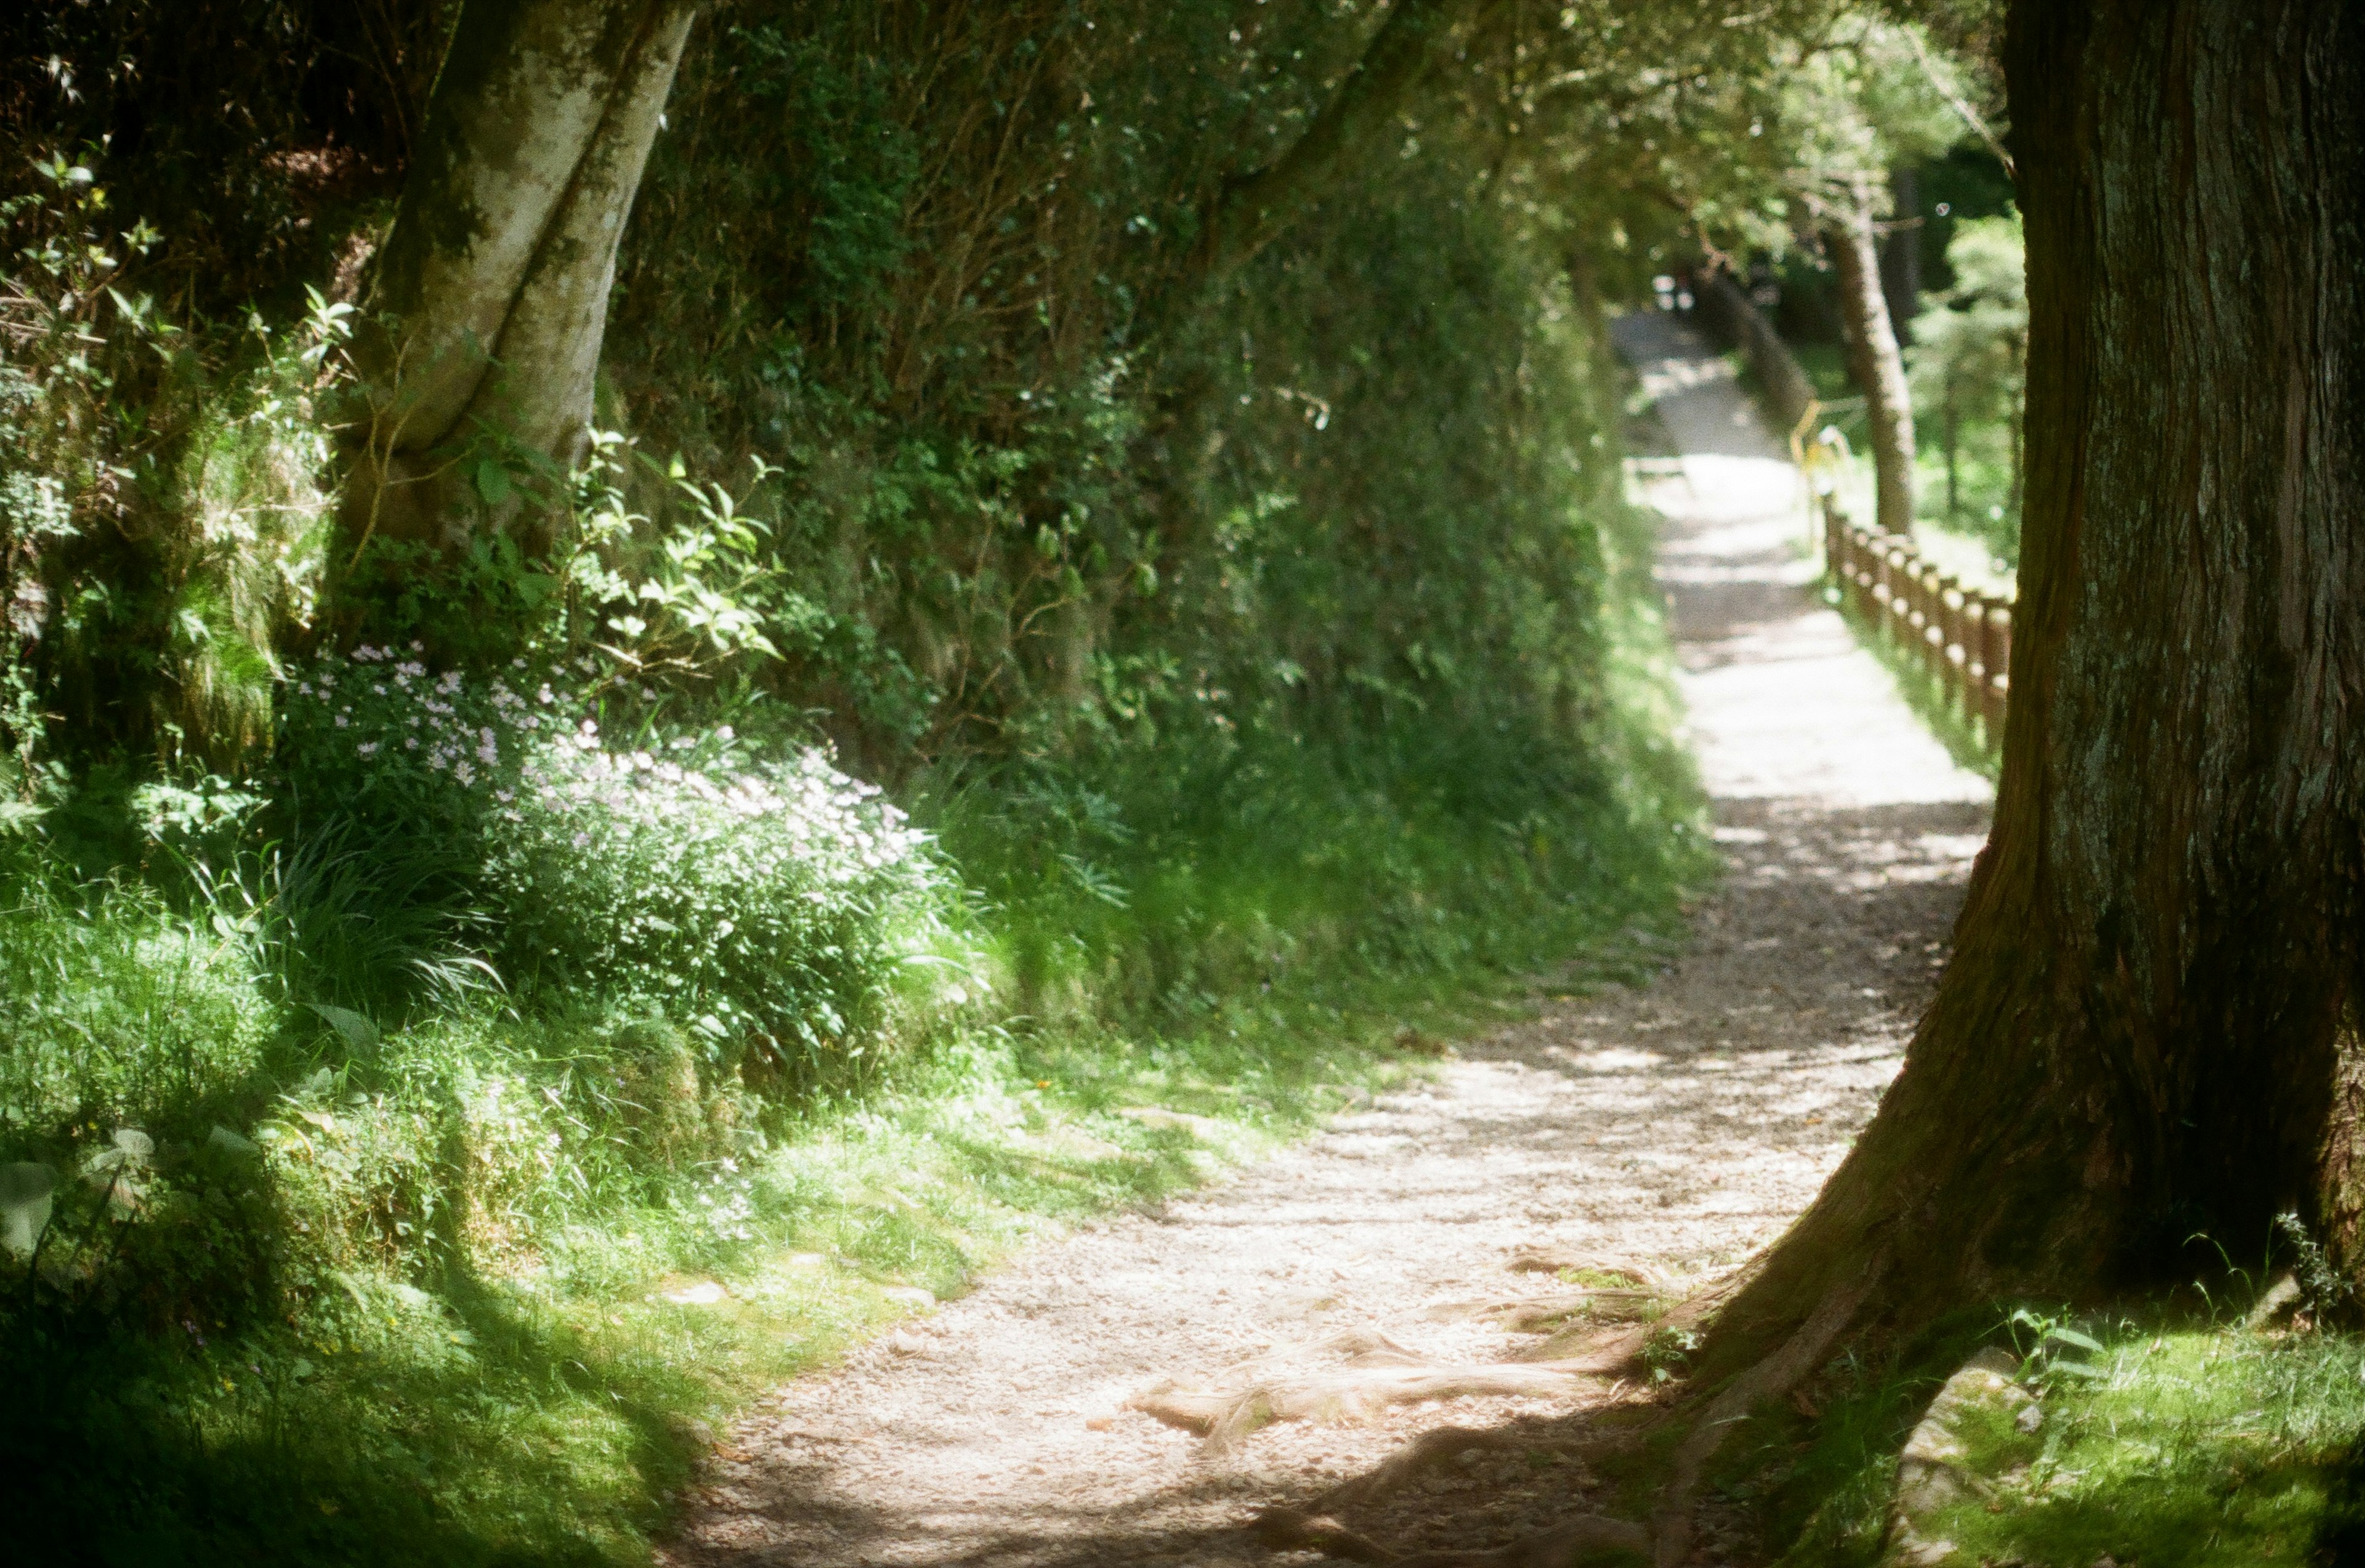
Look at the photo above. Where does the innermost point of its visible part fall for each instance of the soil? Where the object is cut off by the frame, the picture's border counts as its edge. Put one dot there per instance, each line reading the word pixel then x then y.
pixel 1669 1131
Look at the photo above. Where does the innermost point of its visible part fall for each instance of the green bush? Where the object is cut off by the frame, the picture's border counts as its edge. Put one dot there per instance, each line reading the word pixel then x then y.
pixel 771 903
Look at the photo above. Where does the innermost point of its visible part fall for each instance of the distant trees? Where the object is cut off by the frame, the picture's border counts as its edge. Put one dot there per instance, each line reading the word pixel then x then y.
pixel 1970 357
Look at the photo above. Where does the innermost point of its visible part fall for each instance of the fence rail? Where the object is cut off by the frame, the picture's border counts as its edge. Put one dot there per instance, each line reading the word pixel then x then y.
pixel 1963 636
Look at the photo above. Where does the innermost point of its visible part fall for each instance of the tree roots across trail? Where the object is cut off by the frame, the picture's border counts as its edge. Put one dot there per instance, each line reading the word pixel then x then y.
pixel 1429 1335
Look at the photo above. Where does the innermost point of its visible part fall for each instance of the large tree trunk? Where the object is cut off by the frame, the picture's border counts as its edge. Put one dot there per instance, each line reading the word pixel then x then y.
pixel 1873 357
pixel 2147 1032
pixel 491 295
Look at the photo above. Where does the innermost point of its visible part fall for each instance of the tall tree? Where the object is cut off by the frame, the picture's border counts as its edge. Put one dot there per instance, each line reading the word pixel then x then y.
pixel 491 297
pixel 2149 1028
pixel 1875 359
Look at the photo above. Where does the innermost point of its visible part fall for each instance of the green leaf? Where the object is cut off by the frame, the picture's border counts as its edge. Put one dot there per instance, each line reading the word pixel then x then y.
pixel 229 1142
pixel 25 1192
pixel 492 482
pixel 2071 1337
pixel 358 1031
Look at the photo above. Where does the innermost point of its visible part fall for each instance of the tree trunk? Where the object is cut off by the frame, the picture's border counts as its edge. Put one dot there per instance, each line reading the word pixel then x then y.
pixel 1874 358
pixel 2147 1032
pixel 491 294
pixel 1900 252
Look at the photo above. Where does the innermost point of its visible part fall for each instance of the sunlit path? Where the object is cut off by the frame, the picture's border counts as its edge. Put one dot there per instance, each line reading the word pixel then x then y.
pixel 1675 1128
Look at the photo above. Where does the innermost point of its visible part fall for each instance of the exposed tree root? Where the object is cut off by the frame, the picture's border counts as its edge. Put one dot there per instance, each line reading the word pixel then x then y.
pixel 1603 1305
pixel 1668 1536
pixel 1777 1375
pixel 1377 1373
pixel 1581 1342
pixel 1552 1261
pixel 1286 1529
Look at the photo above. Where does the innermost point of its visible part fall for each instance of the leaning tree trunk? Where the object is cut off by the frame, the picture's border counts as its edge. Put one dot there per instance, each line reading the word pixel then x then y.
pixel 2147 1032
pixel 1873 357
pixel 491 295
pixel 1253 209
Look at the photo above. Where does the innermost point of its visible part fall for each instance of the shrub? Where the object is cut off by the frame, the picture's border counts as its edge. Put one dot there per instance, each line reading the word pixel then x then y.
pixel 771 903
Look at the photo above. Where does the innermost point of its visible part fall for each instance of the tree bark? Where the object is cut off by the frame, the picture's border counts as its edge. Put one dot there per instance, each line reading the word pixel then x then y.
pixel 491 294
pixel 2147 1032
pixel 1874 358
pixel 1900 252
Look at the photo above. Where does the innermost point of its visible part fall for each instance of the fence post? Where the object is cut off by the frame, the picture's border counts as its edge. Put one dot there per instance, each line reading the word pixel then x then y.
pixel 1900 594
pixel 1952 657
pixel 1975 655
pixel 1934 621
pixel 1996 654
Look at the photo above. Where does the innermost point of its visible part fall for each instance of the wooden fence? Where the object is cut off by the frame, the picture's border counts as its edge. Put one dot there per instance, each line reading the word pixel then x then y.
pixel 1963 636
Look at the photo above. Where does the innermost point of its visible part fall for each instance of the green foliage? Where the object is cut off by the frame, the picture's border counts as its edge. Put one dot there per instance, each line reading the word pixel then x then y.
pixel 2176 1448
pixel 1969 364
pixel 771 903
pixel 118 1008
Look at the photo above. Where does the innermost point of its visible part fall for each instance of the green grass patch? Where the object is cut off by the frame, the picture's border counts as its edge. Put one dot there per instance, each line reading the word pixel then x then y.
pixel 1968 738
pixel 2176 1443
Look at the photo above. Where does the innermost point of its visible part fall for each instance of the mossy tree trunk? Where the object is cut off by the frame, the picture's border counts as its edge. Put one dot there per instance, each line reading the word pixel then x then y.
pixel 491 294
pixel 1875 358
pixel 2147 1032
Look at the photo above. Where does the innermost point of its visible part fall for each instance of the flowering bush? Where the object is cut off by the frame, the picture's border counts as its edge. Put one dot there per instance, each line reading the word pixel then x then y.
pixel 769 904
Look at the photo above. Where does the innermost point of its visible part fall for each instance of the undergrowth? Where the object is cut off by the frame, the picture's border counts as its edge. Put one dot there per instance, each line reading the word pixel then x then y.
pixel 443 1302
pixel 2169 1435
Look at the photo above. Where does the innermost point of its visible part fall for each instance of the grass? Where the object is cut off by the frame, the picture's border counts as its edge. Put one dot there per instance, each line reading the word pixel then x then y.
pixel 538 1395
pixel 1967 738
pixel 537 1403
pixel 2183 1442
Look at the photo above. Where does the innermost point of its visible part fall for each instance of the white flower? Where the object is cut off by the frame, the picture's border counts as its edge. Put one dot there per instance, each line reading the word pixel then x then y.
pixel 367 748
pixel 341 721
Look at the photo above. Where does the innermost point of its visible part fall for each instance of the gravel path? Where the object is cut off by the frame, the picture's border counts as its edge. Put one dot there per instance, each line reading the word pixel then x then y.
pixel 1677 1128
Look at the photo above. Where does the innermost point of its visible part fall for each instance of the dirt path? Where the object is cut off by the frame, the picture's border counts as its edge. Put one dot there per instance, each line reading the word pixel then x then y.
pixel 1677 1127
